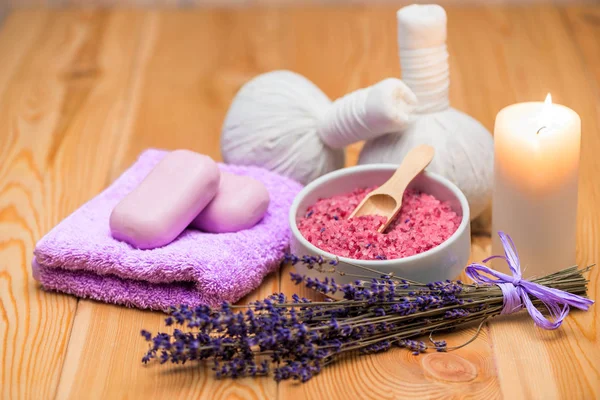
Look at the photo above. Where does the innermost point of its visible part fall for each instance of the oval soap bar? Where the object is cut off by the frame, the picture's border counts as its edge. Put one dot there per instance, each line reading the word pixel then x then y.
pixel 240 204
pixel 166 201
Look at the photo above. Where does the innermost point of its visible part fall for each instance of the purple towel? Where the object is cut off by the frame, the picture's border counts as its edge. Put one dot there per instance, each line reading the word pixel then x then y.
pixel 80 257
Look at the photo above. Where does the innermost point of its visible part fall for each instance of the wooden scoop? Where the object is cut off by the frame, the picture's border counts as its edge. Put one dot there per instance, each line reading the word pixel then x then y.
pixel 386 200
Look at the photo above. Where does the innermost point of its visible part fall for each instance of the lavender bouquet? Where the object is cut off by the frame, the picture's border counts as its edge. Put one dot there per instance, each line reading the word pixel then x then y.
pixel 295 338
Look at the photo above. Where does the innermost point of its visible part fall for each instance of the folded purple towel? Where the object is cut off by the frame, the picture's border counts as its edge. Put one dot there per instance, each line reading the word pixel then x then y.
pixel 80 257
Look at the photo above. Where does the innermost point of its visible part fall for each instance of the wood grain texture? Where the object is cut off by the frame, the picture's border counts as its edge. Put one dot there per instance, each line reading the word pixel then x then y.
pixel 24 310
pixel 58 111
pixel 83 93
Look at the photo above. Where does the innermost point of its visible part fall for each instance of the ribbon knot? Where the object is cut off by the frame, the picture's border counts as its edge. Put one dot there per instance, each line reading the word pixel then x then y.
pixel 517 292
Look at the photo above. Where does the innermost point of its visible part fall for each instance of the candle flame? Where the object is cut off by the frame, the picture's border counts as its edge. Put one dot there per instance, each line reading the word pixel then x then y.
pixel 546 113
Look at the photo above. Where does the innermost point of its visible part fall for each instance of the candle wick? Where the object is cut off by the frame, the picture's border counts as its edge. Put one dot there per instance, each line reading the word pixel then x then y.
pixel 540 130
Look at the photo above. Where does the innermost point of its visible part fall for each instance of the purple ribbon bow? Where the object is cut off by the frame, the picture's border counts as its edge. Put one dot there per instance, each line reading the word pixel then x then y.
pixel 516 291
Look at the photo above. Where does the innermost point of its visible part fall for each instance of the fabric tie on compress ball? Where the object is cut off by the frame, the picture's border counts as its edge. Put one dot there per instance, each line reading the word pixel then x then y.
pixel 368 113
pixel 80 257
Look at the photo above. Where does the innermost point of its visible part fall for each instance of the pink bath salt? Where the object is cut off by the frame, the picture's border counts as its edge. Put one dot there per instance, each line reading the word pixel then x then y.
pixel 424 222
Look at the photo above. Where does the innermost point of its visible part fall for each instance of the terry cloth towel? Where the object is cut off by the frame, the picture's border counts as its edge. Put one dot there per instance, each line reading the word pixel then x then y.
pixel 80 257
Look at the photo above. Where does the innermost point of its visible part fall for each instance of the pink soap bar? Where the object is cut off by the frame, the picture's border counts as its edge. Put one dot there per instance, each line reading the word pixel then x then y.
pixel 240 204
pixel 166 201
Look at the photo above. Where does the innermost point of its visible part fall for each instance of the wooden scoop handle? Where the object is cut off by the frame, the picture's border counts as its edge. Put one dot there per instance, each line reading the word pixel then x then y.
pixel 412 165
pixel 386 200
pixel 414 162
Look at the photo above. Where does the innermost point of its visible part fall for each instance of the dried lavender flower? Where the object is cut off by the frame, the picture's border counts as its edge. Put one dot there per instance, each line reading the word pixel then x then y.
pixel 295 338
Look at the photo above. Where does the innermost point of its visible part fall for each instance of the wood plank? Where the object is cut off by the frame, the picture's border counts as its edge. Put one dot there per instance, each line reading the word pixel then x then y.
pixel 529 53
pixel 96 329
pixel 583 24
pixel 197 66
pixel 23 310
pixel 47 150
pixel 109 336
pixel 174 73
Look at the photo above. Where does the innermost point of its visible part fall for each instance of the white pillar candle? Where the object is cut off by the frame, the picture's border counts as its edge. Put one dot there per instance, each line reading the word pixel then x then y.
pixel 537 146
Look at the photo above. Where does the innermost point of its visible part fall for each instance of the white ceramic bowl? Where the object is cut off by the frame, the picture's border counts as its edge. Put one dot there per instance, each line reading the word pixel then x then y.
pixel 442 262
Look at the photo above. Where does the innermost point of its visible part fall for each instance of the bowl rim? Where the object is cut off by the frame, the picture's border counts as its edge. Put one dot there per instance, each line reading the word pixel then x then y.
pixel 381 263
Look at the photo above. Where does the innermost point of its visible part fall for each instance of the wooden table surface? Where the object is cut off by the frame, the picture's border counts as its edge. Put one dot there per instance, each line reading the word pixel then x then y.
pixel 82 93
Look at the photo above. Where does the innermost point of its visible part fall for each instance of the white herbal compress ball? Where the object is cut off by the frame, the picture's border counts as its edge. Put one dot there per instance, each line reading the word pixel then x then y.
pixel 283 122
pixel 464 149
